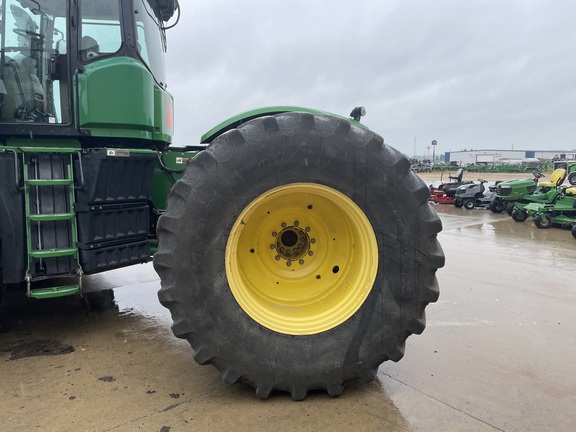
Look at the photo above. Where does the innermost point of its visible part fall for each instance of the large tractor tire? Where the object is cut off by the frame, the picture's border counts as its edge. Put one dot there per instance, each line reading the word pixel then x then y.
pixel 298 252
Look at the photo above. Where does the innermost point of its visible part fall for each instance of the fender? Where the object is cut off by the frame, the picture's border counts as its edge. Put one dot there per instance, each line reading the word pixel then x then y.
pixel 239 119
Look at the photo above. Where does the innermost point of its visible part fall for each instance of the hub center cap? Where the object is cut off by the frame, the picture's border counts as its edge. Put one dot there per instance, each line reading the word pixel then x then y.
pixel 292 243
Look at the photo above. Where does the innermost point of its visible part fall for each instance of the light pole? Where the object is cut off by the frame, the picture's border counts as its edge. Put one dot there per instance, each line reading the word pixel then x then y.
pixel 434 143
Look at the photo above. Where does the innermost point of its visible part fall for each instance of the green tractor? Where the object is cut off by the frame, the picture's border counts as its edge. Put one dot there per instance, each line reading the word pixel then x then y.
pixel 296 250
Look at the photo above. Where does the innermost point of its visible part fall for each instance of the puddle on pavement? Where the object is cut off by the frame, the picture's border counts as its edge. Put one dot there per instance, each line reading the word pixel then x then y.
pixel 41 347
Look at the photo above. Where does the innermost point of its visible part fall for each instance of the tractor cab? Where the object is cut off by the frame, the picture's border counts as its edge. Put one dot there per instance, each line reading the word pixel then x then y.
pixel 86 69
pixel 84 115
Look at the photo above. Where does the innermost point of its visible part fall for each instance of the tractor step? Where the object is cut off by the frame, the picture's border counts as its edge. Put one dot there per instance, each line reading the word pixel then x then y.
pixel 51 217
pixel 52 292
pixel 52 253
pixel 50 182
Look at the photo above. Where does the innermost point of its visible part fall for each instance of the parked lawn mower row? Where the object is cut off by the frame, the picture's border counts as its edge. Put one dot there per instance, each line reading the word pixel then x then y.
pixel 547 203
pixel 444 193
pixel 462 193
pixel 550 204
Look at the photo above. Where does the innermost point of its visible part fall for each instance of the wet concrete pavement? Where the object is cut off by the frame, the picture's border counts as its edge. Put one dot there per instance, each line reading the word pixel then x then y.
pixel 498 353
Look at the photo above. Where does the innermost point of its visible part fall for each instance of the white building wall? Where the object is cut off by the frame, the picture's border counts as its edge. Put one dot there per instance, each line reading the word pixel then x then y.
pixel 469 157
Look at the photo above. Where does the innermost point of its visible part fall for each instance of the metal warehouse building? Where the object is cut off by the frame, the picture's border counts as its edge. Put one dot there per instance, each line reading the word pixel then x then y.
pixel 498 157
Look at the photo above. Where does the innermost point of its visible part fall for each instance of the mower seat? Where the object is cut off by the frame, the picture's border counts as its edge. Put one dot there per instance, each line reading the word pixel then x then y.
pixel 556 179
pixel 458 176
pixel 570 192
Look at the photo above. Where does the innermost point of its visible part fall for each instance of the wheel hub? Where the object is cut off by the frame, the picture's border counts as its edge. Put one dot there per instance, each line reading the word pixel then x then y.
pixel 292 243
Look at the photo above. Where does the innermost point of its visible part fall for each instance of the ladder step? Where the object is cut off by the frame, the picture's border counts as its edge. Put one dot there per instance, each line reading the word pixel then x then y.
pixel 52 253
pixel 50 217
pixel 58 291
pixel 49 182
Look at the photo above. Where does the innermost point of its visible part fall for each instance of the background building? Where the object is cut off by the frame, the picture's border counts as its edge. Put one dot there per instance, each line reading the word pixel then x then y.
pixel 499 157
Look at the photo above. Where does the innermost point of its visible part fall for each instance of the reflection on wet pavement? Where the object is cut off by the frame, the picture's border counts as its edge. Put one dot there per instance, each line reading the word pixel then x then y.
pixel 499 342
pixel 110 362
pixel 497 353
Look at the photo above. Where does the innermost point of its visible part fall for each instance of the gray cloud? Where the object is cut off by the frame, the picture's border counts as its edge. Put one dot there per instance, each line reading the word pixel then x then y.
pixel 470 74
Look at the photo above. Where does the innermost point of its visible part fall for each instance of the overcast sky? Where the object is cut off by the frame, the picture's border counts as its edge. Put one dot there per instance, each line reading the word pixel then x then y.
pixel 481 74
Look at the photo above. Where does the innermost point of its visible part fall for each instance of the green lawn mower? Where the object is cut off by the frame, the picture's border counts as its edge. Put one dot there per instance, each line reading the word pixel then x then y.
pixel 546 193
pixel 562 212
pixel 508 192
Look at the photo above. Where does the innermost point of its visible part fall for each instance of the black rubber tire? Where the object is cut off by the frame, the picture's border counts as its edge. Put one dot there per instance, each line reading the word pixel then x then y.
pixel 519 215
pixel 246 162
pixel 2 286
pixel 572 178
pixel 574 231
pixel 542 224
pixel 457 202
pixel 469 204
pixel 497 206
pixel 510 207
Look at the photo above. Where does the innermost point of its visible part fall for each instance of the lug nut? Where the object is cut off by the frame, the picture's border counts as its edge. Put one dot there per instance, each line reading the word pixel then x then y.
pixel 277 257
pixel 283 224
pixel 301 262
pixel 296 223
pixel 307 229
pixel 272 246
pixel 313 240
pixel 288 263
pixel 310 253
pixel 274 233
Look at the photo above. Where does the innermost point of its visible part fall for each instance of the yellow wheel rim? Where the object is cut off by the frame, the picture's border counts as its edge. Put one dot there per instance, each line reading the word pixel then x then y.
pixel 301 258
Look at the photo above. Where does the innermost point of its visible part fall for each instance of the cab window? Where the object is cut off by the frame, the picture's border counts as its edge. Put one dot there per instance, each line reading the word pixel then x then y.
pixel 100 30
pixel 150 38
pixel 33 48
